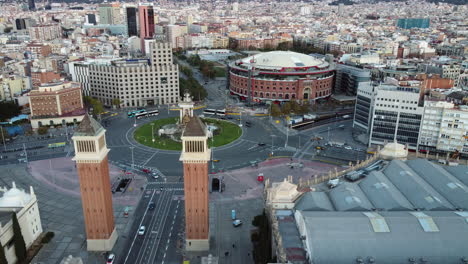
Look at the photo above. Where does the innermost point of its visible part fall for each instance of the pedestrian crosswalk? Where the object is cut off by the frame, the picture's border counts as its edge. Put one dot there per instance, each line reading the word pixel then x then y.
pixel 164 188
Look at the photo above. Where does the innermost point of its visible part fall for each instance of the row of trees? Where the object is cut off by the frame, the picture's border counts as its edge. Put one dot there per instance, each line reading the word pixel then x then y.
pixel 288 108
pixel 262 240
pixel 207 68
pixel 193 87
pixel 8 110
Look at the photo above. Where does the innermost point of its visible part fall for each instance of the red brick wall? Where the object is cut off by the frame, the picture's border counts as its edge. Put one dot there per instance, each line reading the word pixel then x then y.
pixel 196 200
pixel 96 197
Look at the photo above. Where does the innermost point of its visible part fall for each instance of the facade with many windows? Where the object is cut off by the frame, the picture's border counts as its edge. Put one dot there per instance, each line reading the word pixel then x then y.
pixel 389 113
pixel 138 82
pixel 444 128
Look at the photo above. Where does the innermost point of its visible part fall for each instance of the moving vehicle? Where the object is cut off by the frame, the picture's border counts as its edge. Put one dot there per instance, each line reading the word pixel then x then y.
pixel 145 170
pixel 348 148
pixel 155 175
pixel 56 145
pixel 110 258
pixel 248 124
pixel 209 112
pixel 146 114
pixel 261 144
pixel 151 206
pixel 141 230
pixel 221 112
pixel 346 116
pixel 237 223
pixel 133 113
pixel 320 148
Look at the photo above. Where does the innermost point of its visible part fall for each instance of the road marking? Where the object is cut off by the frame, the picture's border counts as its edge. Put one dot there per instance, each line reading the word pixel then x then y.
pixel 136 233
pixel 150 158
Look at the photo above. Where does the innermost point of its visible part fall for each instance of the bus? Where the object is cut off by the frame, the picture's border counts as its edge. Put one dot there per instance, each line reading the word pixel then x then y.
pixel 56 145
pixel 133 113
pixel 153 113
pixel 209 112
pixel 141 115
pixel 221 112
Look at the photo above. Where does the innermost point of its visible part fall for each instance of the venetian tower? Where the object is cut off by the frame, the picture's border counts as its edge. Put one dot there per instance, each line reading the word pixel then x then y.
pixel 93 171
pixel 195 156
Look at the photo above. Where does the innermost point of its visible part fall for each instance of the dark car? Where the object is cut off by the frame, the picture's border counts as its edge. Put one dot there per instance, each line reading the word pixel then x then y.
pixel 151 206
pixel 248 124
pixel 261 144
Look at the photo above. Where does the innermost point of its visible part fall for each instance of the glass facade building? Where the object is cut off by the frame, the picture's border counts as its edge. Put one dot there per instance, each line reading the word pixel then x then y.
pixel 408 23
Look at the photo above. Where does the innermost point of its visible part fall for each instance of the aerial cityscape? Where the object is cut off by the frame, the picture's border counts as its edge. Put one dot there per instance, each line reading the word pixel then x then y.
pixel 237 132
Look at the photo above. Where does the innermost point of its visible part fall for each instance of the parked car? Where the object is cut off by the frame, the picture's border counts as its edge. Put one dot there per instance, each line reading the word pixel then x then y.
pixel 237 223
pixel 141 230
pixel 110 258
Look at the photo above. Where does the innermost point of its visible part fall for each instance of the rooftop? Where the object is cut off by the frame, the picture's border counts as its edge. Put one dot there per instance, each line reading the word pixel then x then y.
pixel 88 127
pixel 194 128
pixel 281 59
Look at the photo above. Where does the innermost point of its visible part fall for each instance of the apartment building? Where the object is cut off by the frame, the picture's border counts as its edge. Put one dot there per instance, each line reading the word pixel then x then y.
pixel 389 113
pixel 45 32
pixel 446 69
pixel 444 128
pixel 138 82
pixel 40 76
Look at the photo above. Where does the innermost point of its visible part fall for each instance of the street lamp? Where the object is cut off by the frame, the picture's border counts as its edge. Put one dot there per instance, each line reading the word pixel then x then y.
pixel 152 132
pixel 133 161
pixel 272 136
pixel 135 124
pixel 287 136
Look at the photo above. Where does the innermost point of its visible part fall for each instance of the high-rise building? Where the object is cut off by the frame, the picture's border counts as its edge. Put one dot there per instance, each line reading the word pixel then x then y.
pixel 408 23
pixel 146 20
pixel 92 165
pixel 91 19
pixel 20 24
pixel 109 13
pixel 189 20
pixel 131 12
pixel 137 82
pixel 348 79
pixel 389 113
pixel 31 5
pixel 195 156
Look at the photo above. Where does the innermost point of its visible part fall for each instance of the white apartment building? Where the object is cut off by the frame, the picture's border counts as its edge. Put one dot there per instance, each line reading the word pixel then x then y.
pixel 444 128
pixel 137 82
pixel 45 32
pixel 388 113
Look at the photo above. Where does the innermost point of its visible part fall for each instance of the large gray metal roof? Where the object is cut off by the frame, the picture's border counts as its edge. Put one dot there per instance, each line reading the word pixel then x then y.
pixel 342 237
pixel 290 238
pixel 383 194
pixel 415 189
pixel 314 201
pixel 442 181
pixel 349 197
pixel 461 172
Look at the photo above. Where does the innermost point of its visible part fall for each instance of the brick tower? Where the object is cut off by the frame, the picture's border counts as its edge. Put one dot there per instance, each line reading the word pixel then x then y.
pixel 93 171
pixel 195 156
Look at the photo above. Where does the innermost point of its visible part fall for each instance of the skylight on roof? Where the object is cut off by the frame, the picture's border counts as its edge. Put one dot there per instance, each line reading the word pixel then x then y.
pixel 426 222
pixel 378 222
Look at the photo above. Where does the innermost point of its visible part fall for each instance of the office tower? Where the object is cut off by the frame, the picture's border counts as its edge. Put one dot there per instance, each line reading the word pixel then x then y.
pixel 132 21
pixel 189 20
pixel 140 82
pixel 91 19
pixel 172 20
pixel 348 79
pixel 146 20
pixel 92 165
pixel 109 13
pixel 195 156
pixel 20 23
pixel 408 23
pixel 31 5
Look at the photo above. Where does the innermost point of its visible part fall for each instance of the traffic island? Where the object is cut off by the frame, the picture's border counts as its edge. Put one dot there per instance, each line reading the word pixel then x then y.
pixel 164 133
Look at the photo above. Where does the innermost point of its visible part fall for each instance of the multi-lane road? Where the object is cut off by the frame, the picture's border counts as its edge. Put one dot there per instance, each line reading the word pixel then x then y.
pixel 163 227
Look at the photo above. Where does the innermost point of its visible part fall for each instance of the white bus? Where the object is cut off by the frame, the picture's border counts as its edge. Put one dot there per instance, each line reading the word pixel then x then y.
pixel 209 112
pixel 221 112
pixel 153 112
pixel 141 115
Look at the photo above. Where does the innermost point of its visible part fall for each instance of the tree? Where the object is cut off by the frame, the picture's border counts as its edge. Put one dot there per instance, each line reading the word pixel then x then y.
pixel 8 110
pixel 3 259
pixel 275 110
pixel 116 102
pixel 18 239
pixel 304 108
pixel 295 107
pixel 97 107
pixel 286 109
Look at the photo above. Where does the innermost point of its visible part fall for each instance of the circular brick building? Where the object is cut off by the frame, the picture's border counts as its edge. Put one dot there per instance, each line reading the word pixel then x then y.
pixel 281 76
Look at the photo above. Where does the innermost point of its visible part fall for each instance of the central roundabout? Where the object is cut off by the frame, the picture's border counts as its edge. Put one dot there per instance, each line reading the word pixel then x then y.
pixel 165 133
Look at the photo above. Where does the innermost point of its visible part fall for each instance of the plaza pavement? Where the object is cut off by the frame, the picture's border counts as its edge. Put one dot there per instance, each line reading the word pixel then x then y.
pixel 55 183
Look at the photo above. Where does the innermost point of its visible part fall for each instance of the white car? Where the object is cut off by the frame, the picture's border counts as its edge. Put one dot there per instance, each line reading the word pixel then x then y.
pixel 111 259
pixel 155 175
pixel 348 148
pixel 237 223
pixel 141 231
